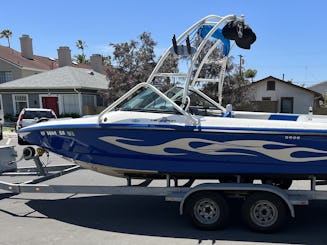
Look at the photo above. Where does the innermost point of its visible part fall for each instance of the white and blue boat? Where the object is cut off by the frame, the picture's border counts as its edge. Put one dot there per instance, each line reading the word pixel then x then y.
pixel 185 134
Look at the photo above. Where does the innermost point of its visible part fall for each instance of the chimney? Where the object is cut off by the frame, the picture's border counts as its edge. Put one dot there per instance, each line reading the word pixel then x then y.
pixel 26 47
pixel 96 63
pixel 64 56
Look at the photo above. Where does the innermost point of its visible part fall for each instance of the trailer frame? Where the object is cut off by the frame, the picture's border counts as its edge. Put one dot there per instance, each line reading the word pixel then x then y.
pixel 214 195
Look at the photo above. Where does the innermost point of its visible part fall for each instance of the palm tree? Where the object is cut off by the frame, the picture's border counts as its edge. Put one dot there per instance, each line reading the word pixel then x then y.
pixel 80 45
pixel 7 34
pixel 81 58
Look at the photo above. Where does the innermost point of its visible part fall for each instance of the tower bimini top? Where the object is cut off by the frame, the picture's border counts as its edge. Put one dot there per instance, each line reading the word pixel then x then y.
pixel 207 42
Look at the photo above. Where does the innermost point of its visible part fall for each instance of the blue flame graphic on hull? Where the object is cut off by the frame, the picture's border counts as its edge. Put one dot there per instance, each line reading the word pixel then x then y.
pixel 220 148
pixel 188 151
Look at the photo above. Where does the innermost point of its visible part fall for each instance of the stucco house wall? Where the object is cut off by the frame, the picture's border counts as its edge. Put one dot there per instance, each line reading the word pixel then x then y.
pixel 302 98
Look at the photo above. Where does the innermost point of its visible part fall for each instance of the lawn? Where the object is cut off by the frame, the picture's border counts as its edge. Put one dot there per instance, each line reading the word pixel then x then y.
pixel 5 129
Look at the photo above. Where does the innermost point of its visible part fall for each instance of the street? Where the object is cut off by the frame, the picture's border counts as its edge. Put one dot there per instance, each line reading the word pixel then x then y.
pixel 104 219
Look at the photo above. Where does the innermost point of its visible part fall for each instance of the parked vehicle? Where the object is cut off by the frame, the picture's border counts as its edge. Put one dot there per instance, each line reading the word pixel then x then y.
pixel 29 116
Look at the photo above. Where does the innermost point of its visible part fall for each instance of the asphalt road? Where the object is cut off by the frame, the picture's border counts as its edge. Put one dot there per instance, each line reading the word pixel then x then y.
pixel 82 219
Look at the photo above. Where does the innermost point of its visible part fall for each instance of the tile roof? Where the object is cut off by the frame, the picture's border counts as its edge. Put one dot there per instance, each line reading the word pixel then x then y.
pixel 66 77
pixel 38 62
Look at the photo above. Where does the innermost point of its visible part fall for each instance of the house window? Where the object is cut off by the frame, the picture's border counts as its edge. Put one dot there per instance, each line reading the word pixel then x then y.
pixel 70 103
pixel 266 98
pixel 286 105
pixel 20 102
pixel 89 100
pixel 271 85
pixel 5 76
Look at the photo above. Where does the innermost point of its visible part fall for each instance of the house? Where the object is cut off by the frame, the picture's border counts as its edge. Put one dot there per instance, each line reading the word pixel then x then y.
pixel 15 64
pixel 21 85
pixel 66 90
pixel 275 95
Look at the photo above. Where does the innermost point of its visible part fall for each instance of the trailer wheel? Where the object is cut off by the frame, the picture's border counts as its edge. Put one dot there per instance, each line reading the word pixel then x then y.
pixel 207 210
pixel 264 212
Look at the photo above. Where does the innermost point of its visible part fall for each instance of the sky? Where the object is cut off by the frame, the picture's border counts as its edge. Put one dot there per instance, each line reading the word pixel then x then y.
pixel 291 35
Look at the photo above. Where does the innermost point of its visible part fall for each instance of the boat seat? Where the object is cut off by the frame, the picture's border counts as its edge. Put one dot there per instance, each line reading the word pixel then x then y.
pixel 227 114
pixel 229 109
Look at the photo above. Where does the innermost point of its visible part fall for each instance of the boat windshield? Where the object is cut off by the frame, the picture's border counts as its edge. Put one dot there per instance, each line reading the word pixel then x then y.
pixel 147 100
pixel 198 104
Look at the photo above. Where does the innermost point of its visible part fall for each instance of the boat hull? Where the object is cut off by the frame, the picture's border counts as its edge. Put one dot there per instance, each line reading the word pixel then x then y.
pixel 155 151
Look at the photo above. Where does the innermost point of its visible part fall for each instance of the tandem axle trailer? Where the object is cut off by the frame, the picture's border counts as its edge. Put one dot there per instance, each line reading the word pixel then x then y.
pixel 265 208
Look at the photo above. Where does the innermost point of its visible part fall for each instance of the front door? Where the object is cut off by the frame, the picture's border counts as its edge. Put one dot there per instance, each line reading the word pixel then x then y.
pixel 51 103
pixel 286 105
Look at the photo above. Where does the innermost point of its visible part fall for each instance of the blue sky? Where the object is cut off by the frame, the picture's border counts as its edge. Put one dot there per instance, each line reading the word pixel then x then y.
pixel 291 35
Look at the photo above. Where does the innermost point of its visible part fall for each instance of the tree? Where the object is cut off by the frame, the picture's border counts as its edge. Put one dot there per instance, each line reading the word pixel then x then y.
pixel 132 63
pixel 7 34
pixel 106 60
pixel 80 45
pixel 235 91
pixel 81 58
pixel 234 88
pixel 249 73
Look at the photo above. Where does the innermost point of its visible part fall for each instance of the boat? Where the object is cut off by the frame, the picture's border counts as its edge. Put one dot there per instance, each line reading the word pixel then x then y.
pixel 183 133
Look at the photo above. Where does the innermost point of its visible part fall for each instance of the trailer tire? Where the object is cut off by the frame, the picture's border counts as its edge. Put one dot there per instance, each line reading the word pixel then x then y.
pixel 207 210
pixel 264 212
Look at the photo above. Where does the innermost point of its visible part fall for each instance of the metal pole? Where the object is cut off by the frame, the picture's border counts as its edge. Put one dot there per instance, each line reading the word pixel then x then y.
pixel 240 66
pixel 168 180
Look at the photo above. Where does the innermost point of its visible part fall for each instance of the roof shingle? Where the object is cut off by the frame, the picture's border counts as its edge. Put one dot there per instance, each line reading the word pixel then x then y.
pixel 66 77
pixel 38 62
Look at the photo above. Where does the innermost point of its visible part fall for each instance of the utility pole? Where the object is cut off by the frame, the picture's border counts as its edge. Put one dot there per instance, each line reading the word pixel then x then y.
pixel 240 66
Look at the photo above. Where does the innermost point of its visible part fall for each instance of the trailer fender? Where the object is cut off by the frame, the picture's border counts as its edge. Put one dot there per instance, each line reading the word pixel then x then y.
pixel 238 187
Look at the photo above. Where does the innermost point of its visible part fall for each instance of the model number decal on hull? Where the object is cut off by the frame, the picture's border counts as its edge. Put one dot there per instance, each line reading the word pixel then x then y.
pixel 57 132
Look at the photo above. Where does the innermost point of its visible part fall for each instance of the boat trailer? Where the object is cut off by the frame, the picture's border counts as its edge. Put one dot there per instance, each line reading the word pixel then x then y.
pixel 265 207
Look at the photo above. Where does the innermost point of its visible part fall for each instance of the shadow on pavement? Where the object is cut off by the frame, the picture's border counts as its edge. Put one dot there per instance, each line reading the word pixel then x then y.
pixel 6 195
pixel 152 216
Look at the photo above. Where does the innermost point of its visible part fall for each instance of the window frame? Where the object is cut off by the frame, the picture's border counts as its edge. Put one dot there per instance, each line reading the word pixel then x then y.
pixel 86 97
pixel 271 85
pixel 15 101
pixel 7 76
